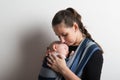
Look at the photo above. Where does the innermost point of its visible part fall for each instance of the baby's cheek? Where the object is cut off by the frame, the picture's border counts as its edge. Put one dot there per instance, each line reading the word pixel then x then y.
pixel 55 53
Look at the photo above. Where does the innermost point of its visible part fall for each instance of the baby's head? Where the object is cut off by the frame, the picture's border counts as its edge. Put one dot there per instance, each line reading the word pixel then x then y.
pixel 60 48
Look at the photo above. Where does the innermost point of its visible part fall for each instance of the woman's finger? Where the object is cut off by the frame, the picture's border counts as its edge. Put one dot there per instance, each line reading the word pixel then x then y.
pixel 50 60
pixel 54 56
pixel 50 65
pixel 61 56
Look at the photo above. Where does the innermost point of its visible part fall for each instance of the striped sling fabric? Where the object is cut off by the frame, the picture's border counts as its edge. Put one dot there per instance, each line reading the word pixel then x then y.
pixel 77 62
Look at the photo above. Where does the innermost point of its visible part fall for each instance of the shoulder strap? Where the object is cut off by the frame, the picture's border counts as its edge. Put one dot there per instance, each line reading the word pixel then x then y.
pixel 82 55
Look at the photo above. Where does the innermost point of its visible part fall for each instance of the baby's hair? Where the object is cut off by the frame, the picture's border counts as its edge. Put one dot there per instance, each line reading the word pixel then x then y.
pixel 51 45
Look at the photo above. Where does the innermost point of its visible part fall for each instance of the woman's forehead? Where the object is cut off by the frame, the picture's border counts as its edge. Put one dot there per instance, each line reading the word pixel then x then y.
pixel 60 26
pixel 61 29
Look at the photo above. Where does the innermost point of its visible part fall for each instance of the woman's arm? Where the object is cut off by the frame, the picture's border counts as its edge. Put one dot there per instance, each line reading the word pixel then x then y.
pixel 93 68
pixel 69 75
pixel 58 64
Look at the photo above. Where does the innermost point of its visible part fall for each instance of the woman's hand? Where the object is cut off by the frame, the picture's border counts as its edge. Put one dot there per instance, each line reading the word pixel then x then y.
pixel 57 63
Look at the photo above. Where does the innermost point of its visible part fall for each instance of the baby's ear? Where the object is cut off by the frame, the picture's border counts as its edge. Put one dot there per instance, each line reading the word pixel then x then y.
pixel 55 47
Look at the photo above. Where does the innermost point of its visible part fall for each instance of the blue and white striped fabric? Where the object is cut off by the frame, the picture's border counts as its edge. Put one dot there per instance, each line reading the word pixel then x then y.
pixel 80 58
pixel 83 53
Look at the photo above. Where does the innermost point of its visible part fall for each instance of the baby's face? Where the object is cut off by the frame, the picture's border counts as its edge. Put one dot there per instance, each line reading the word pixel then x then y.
pixel 62 48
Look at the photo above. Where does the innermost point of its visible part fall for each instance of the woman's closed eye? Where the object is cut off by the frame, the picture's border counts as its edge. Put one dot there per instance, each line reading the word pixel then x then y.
pixel 64 35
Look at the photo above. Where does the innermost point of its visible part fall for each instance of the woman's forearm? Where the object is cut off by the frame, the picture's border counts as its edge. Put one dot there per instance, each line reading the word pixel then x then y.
pixel 69 75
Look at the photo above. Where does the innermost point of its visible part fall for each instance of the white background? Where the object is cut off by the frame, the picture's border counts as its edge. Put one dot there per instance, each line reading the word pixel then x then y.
pixel 25 32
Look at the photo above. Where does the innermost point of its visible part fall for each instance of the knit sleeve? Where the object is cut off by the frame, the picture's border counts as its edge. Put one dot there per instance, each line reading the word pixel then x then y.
pixel 93 68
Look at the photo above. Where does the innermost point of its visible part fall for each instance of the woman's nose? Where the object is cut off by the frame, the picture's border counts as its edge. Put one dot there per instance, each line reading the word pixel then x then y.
pixel 62 39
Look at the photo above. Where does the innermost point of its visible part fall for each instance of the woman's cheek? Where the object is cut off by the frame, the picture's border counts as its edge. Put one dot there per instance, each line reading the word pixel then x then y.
pixel 70 42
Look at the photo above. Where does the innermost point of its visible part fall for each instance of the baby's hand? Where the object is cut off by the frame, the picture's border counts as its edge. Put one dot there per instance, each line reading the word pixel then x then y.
pixel 72 53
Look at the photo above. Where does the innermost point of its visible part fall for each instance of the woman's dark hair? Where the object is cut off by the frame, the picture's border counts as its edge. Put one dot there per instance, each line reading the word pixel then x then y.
pixel 69 16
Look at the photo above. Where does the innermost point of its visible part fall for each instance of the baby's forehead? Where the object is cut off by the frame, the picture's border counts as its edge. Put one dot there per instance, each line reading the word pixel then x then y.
pixel 59 43
pixel 63 44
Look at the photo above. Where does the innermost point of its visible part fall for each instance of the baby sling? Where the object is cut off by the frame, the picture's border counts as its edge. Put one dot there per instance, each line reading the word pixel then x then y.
pixel 76 63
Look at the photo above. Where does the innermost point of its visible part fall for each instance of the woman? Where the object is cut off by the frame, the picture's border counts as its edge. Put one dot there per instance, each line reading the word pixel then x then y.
pixel 87 60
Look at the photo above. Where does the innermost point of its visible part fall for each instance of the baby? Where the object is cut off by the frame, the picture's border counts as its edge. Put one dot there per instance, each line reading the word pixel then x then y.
pixel 60 48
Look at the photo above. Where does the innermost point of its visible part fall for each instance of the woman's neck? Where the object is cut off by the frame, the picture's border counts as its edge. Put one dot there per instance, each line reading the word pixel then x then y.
pixel 79 38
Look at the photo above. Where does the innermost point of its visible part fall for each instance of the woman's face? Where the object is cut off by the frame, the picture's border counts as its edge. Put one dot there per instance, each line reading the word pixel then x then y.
pixel 66 34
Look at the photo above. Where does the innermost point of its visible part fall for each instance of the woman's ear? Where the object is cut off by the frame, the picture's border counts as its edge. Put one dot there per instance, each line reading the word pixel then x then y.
pixel 75 26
